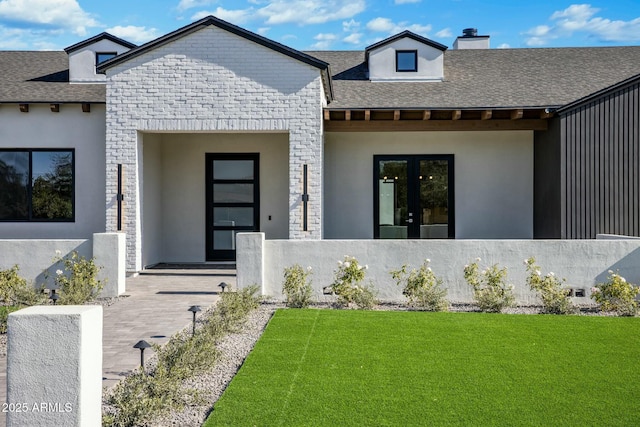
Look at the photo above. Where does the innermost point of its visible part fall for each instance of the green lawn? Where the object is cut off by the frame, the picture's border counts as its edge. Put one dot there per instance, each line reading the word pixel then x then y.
pixel 342 367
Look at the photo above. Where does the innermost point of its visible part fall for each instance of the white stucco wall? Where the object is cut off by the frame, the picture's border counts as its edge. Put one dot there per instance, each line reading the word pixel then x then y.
pixel 493 180
pixel 69 128
pixel 382 62
pixel 583 263
pixel 214 81
pixel 36 259
pixel 82 62
pixel 174 228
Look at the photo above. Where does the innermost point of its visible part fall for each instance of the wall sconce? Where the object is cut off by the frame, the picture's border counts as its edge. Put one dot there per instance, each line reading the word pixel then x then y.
pixel 194 309
pixel 142 344
pixel 223 285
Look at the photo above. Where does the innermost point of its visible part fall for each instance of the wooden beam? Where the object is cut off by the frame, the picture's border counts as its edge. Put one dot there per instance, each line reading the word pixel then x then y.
pixel 367 115
pixel 347 115
pixel 55 108
pixel 327 115
pixel 396 115
pixel 426 114
pixel 86 108
pixel 434 125
pixel 486 114
pixel 456 114
pixel 516 114
pixel 24 108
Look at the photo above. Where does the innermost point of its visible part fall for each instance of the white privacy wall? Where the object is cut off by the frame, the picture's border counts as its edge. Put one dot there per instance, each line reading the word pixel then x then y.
pixel 493 180
pixel 583 263
pixel 213 81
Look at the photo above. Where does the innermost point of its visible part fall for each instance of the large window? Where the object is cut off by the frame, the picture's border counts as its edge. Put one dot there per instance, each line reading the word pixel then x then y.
pixel 36 185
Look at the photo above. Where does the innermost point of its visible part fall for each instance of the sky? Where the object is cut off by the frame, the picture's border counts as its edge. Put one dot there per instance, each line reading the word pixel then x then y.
pixel 325 24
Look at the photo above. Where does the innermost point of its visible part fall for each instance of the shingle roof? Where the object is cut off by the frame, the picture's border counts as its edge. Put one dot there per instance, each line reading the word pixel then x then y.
pixel 474 79
pixel 33 76
pixel 490 78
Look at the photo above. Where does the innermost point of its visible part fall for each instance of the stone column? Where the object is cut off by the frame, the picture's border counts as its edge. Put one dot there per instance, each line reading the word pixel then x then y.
pixel 54 366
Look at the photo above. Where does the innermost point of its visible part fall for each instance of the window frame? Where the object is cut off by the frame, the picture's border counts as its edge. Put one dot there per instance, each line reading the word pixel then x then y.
pixel 98 62
pixel 415 61
pixel 30 151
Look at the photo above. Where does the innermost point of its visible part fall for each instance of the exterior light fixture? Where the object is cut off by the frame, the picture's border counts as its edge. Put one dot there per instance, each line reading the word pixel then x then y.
pixel 53 296
pixel 327 290
pixel 194 309
pixel 223 285
pixel 142 344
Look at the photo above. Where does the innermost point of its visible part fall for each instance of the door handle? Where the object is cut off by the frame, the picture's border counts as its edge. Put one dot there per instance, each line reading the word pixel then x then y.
pixel 410 221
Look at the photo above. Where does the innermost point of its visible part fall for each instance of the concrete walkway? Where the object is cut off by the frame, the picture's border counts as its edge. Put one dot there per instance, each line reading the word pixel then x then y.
pixel 156 308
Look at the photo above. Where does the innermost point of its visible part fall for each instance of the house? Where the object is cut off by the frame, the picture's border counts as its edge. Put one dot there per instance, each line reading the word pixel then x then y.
pixel 211 131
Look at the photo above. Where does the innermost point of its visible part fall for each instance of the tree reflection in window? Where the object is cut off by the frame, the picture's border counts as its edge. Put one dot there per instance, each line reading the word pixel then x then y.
pixel 36 185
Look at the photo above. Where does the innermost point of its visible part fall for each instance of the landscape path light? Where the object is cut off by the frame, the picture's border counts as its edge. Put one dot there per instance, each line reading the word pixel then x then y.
pixel 142 344
pixel 194 309
pixel 223 285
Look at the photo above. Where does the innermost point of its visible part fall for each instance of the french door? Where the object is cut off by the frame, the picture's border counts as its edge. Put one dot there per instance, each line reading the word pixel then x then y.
pixel 413 197
pixel 233 201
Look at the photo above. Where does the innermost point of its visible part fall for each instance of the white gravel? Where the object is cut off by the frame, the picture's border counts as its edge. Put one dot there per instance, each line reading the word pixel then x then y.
pixel 234 348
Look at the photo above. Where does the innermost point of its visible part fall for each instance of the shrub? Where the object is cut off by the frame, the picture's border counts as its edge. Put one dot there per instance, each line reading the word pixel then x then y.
pixel 4 314
pixel 489 288
pixel 78 282
pixel 140 397
pixel 555 299
pixel 348 285
pixel 422 287
pixel 616 294
pixel 15 291
pixel 296 287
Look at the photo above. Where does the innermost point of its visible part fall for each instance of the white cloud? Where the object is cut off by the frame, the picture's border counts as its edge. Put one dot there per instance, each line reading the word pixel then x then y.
pixel 263 30
pixel 445 32
pixel 238 16
pixel 581 18
pixel 406 1
pixel 353 38
pixel 504 46
pixel 134 34
pixel 54 14
pixel 310 11
pixel 190 4
pixel 351 25
pixel 385 25
pixel 324 40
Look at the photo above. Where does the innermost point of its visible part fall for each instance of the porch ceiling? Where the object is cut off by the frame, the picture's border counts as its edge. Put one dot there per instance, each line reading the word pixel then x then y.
pixel 389 120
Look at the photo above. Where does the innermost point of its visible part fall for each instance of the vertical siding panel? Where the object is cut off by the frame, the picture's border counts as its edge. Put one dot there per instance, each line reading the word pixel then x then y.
pixel 635 159
pixel 625 173
pixel 582 162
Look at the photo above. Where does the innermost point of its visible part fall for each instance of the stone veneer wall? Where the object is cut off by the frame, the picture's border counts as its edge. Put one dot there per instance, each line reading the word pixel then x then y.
pixel 213 81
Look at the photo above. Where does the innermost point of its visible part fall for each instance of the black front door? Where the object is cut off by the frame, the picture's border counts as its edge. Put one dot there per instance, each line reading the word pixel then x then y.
pixel 413 197
pixel 233 201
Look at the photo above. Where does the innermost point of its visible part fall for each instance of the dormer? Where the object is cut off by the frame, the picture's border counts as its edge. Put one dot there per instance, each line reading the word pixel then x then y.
pixel 405 57
pixel 86 55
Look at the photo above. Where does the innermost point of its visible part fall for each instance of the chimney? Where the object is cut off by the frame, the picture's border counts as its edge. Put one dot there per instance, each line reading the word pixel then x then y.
pixel 471 40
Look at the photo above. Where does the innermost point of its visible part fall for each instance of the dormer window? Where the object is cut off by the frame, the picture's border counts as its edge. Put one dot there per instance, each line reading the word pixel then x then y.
pixel 104 56
pixel 406 60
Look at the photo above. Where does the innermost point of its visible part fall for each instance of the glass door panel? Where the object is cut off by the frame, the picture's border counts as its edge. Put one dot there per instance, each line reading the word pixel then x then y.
pixel 434 199
pixel 232 202
pixel 392 199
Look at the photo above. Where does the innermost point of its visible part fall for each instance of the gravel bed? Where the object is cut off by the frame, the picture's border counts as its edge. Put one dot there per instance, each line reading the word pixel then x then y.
pixel 234 348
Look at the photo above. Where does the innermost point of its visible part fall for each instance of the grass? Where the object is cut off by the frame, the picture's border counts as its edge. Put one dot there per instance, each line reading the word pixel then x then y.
pixel 342 367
